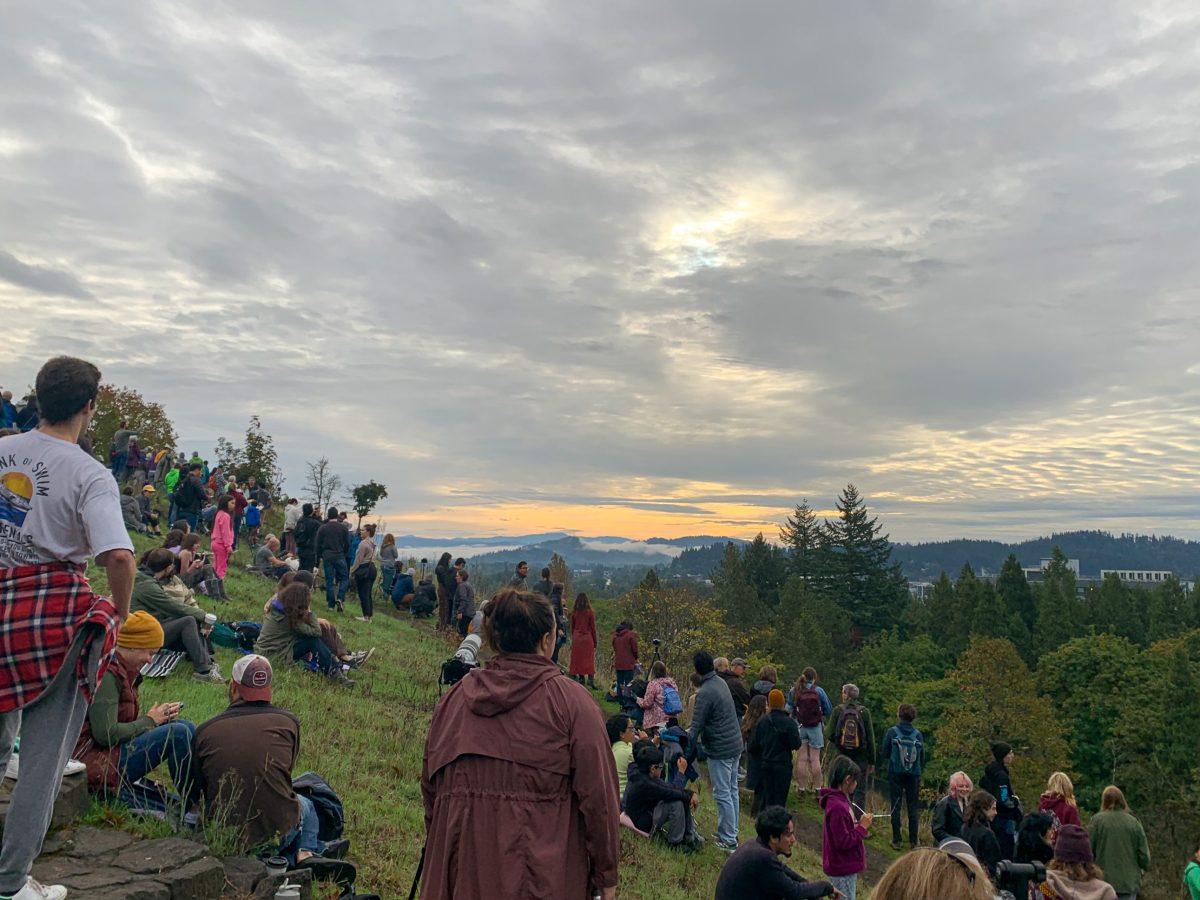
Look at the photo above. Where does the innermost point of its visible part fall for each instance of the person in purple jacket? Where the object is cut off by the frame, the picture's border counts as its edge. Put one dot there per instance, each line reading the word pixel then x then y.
pixel 843 851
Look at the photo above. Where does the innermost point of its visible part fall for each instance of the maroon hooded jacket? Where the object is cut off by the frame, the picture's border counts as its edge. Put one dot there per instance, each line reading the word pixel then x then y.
pixel 520 787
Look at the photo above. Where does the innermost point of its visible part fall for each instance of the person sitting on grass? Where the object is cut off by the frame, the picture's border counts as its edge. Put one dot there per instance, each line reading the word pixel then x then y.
pixel 149 513
pixel 244 758
pixel 292 633
pixel 118 744
pixel 622 734
pixel 183 626
pixel 195 570
pixel 656 807
pixel 755 870
pixel 131 512
pixel 329 633
pixel 266 562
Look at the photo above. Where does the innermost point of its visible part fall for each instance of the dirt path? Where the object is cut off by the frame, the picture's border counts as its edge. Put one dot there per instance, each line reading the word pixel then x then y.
pixel 808 832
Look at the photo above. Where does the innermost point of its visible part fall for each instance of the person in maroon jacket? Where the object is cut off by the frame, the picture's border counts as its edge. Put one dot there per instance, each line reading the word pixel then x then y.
pixel 519 783
pixel 625 655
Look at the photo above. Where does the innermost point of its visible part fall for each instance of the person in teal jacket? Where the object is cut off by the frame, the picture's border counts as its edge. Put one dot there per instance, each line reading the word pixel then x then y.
pixel 1191 877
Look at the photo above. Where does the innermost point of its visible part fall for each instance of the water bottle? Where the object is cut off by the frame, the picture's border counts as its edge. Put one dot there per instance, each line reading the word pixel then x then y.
pixel 287 891
pixel 277 865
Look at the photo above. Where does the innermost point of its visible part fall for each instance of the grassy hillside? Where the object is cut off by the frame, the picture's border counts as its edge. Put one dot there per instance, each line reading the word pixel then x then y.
pixel 368 742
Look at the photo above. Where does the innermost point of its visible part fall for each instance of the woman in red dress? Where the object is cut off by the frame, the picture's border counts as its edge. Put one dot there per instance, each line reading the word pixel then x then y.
pixel 583 641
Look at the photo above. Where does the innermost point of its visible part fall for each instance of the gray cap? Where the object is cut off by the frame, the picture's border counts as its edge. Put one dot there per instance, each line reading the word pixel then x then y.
pixel 738 661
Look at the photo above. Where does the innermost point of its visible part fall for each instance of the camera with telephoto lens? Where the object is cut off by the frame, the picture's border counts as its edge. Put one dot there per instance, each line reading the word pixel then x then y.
pixel 1013 879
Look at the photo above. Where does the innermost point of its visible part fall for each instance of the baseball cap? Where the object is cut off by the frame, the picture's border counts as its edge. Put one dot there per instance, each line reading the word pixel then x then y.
pixel 150 488
pixel 252 674
pixel 737 661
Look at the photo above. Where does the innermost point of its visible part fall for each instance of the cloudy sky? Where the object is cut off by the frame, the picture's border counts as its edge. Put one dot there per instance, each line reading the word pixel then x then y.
pixel 631 268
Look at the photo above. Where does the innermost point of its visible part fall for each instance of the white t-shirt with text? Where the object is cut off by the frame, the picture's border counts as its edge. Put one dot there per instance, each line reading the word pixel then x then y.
pixel 57 503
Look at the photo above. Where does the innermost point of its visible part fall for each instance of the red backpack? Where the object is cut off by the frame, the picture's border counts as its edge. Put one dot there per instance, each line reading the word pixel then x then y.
pixel 806 707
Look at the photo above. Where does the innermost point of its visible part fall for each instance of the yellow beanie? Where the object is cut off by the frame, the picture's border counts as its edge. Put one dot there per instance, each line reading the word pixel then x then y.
pixel 775 699
pixel 141 631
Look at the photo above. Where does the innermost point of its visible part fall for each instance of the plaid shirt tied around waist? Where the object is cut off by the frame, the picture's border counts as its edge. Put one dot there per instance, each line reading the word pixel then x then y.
pixel 42 608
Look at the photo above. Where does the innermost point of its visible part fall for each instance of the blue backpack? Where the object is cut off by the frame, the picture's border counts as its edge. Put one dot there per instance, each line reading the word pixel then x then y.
pixel 906 753
pixel 672 705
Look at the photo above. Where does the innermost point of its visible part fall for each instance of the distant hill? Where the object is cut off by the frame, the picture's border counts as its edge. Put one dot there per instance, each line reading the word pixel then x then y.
pixel 1095 550
pixel 599 551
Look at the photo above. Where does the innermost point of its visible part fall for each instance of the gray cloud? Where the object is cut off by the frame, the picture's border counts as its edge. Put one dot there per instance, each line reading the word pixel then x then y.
pixel 696 260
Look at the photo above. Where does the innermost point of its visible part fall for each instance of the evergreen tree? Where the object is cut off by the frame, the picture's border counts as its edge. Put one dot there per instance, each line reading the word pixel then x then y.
pixel 735 595
pixel 811 630
pixel 801 535
pixel 1059 612
pixel 651 582
pixel 1170 611
pixel 1114 610
pixel 766 568
pixel 1014 590
pixel 859 574
pixel 943 618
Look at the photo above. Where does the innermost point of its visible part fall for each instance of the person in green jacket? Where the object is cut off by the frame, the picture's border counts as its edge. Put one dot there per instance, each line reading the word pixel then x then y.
pixel 184 626
pixel 1119 844
pixel 849 733
pixel 292 633
pixel 1191 877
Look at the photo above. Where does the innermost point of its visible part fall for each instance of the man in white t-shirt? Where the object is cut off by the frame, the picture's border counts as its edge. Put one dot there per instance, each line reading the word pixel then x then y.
pixel 58 507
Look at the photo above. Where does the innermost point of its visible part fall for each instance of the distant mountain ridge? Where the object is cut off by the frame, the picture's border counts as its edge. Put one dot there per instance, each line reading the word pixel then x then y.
pixel 593 551
pixel 1095 550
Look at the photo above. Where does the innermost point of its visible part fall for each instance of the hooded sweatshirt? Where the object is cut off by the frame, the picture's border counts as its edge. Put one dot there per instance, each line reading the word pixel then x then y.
pixel 762 686
pixel 1191 880
pixel 997 782
pixel 1057 804
pixel 625 648
pixel 843 851
pixel 1066 889
pixel 520 787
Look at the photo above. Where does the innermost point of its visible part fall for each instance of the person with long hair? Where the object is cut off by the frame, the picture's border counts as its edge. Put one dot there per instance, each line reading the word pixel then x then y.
pixel 388 557
pixel 194 570
pixel 292 633
pixel 652 703
pixel 444 579
pixel 559 779
pixel 583 641
pixel 560 617
pixel 362 573
pixel 755 710
pixel 978 832
pixel 1034 839
pixel 1059 801
pixel 843 839
pixel 810 706
pixel 222 542
pixel 1119 843
pixel 934 874
pixel 1073 872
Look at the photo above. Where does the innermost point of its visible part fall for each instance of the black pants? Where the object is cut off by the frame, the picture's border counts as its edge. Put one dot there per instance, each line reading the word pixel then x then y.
pixel 364 583
pixel 308 561
pixel 314 645
pixel 773 783
pixel 903 789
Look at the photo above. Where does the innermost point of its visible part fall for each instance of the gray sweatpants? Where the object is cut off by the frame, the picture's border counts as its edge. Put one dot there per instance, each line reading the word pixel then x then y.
pixel 674 818
pixel 49 728
pixel 184 634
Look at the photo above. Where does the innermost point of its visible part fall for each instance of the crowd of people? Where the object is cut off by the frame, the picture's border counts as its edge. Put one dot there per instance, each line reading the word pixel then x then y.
pixel 520 740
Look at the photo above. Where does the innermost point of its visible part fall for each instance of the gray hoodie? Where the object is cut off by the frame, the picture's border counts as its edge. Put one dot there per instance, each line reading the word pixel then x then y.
pixel 715 721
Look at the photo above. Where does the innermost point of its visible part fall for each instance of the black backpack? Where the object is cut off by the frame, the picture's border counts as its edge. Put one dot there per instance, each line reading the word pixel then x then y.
pixel 328 804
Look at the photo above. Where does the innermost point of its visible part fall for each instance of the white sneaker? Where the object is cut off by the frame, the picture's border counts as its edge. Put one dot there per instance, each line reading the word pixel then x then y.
pixel 74 767
pixel 36 891
pixel 13 770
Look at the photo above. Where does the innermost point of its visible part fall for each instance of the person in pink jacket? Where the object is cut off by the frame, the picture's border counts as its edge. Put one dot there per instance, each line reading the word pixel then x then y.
pixel 222 541
pixel 843 847
pixel 654 715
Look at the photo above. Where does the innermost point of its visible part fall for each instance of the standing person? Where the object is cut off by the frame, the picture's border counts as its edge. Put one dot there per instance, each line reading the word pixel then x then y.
pixel 904 750
pixel 715 725
pixel 625 655
pixel 1073 871
pixel 333 543
pixel 980 834
pixel 545 585
pixel 566 796
pixel 291 518
pixel 755 711
pixel 1191 876
pixel 774 739
pixel 170 483
pixel 997 782
pixel 58 507
pixel 849 733
pixel 661 692
pixel 1059 800
pixel 464 602
pixel 560 617
pixel 520 579
pixel 239 508
pixel 949 811
pixel 768 678
pixel 389 556
pixel 755 871
pixel 1034 842
pixel 731 673
pixel 306 538
pixel 843 847
pixel 443 580
pixel 253 519
pixel 583 641
pixel 1119 843
pixel 810 706
pixel 190 497
pixel 120 449
pixel 222 541
pixel 363 572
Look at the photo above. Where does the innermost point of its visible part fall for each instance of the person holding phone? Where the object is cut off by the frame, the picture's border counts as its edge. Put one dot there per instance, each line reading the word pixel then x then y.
pixel 119 744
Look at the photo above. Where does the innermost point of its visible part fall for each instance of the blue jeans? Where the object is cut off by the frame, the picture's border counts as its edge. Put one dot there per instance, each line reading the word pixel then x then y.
pixel 170 743
pixel 192 518
pixel 624 678
pixel 723 773
pixel 306 645
pixel 304 835
pixel 337 580
pixel 118 465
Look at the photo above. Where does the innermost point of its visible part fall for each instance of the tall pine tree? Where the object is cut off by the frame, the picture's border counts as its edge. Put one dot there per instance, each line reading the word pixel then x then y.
pixel 735 596
pixel 766 568
pixel 1013 588
pixel 1059 611
pixel 801 535
pixel 860 575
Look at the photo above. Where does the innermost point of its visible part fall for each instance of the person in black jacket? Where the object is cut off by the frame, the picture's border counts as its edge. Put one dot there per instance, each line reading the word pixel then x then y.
pixel 333 546
pixel 1033 844
pixel 755 871
pixel 977 831
pixel 773 740
pixel 997 782
pixel 189 497
pixel 444 578
pixel 653 805
pixel 305 536
pixel 948 812
pixel 727 672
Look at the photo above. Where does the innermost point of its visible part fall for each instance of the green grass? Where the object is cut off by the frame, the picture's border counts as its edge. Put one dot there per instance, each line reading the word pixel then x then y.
pixel 368 741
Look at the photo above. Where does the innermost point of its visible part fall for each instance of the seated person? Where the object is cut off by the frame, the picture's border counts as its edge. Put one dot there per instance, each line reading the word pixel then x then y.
pixel 654 806
pixel 329 632
pixel 292 633
pixel 403 589
pixel 118 744
pixel 244 759
pixel 130 511
pixel 265 560
pixel 621 735
pixel 425 601
pixel 183 626
pixel 147 509
pixel 195 570
pixel 755 869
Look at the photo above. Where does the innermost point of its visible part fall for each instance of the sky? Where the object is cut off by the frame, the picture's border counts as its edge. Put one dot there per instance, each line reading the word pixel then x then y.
pixel 627 268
